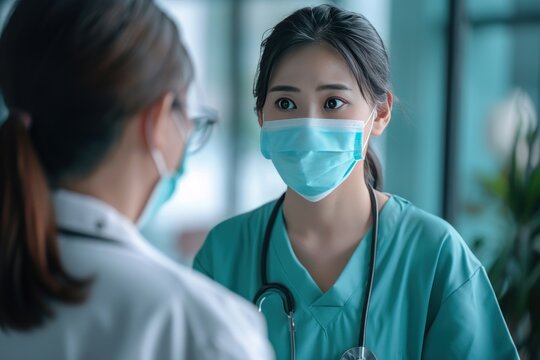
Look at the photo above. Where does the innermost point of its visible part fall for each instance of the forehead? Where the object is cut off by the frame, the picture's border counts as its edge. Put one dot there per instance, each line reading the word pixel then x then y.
pixel 313 64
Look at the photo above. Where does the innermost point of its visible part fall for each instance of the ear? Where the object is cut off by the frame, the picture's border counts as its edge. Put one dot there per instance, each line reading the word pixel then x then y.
pixel 384 114
pixel 154 121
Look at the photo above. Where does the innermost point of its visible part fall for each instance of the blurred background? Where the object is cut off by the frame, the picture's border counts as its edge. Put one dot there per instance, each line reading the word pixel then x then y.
pixel 457 69
pixel 461 143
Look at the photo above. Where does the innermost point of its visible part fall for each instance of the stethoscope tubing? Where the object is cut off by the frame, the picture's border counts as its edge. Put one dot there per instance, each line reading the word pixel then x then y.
pixel 373 257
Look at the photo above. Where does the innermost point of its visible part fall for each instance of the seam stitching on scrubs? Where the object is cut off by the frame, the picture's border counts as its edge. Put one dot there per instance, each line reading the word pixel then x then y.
pixel 461 285
pixel 318 322
pixel 341 309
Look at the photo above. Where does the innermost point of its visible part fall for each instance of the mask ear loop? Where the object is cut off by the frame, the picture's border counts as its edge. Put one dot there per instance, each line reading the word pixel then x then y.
pixel 157 156
pixel 373 112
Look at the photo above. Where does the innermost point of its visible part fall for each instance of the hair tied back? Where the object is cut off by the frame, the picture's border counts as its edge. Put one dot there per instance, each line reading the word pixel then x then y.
pixel 22 116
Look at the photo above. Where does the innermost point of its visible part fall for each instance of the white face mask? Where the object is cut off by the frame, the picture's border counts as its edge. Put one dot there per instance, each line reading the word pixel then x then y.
pixel 314 156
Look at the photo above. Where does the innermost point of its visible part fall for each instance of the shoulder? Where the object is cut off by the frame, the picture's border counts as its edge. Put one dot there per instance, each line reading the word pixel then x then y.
pixel 220 322
pixel 245 223
pixel 236 239
pixel 432 244
pixel 433 260
pixel 145 277
pixel 189 312
pixel 416 220
pixel 420 229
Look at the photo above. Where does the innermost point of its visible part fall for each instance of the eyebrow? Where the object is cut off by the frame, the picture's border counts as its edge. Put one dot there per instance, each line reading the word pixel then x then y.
pixel 333 87
pixel 284 88
pixel 289 88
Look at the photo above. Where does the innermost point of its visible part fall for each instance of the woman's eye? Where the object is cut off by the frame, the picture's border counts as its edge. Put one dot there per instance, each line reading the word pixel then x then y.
pixel 333 103
pixel 285 104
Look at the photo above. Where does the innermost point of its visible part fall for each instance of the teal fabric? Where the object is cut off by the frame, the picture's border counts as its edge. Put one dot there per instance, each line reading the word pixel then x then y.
pixel 431 297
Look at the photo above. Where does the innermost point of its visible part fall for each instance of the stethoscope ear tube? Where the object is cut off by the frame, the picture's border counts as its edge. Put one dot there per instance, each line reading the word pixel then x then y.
pixel 373 257
pixel 266 241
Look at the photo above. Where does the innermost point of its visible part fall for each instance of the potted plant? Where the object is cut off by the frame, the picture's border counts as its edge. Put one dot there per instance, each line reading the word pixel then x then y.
pixel 515 273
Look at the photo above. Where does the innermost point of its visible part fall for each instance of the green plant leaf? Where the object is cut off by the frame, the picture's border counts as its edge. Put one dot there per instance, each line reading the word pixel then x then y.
pixel 477 244
pixel 495 186
pixel 498 274
pixel 536 242
pixel 515 273
pixel 514 186
pixel 533 193
pixel 534 313
pixel 532 175
pixel 533 279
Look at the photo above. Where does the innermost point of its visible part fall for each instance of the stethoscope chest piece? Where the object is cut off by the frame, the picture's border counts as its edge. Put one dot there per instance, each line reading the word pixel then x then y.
pixel 358 353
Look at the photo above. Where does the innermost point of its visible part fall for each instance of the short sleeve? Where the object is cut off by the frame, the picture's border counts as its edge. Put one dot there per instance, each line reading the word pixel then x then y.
pixel 201 262
pixel 199 265
pixel 469 325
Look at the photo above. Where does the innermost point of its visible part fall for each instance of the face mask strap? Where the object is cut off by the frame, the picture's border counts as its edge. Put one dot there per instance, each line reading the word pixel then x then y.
pixel 373 112
pixel 159 161
pixel 157 156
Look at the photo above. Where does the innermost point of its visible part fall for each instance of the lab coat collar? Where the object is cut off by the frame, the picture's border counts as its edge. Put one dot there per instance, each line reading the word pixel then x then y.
pixel 76 212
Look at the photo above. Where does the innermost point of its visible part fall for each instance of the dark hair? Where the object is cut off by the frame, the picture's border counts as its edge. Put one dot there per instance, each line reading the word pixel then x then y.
pixel 352 35
pixel 72 74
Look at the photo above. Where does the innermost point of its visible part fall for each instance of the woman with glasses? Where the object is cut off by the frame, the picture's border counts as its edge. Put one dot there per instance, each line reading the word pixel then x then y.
pixel 97 133
pixel 340 269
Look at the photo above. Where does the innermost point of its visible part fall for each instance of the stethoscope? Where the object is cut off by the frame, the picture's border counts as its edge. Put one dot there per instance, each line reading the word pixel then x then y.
pixel 356 353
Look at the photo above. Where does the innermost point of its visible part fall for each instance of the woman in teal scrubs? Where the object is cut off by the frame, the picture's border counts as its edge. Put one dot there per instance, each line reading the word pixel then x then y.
pixel 322 91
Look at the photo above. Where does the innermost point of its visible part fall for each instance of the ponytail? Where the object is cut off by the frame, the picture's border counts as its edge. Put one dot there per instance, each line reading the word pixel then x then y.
pixel 31 272
pixel 373 170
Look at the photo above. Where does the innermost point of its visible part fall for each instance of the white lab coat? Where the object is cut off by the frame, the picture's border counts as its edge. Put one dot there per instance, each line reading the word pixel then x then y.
pixel 141 306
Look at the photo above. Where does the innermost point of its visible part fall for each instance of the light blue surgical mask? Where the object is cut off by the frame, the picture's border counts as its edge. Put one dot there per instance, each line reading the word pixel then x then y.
pixel 314 156
pixel 166 186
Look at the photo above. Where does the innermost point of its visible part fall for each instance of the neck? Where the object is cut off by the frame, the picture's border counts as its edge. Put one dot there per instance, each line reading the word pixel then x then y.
pixel 123 180
pixel 344 214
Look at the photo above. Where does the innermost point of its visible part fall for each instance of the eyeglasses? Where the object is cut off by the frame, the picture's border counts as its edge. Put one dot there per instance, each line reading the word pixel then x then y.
pixel 203 119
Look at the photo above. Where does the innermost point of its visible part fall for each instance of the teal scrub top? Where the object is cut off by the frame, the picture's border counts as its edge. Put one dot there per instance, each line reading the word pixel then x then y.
pixel 431 297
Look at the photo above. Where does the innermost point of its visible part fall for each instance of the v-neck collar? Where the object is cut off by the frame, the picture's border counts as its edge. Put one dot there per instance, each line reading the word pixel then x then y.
pixel 299 279
pixel 351 281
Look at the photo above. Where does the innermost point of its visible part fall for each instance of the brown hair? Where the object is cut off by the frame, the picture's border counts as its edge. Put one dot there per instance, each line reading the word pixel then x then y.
pixel 78 70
